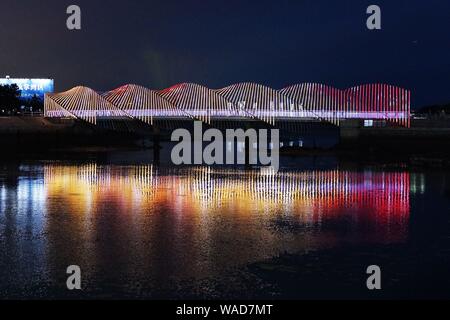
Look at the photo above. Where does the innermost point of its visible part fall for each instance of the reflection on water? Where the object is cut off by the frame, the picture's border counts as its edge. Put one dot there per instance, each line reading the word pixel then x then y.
pixel 151 228
pixel 378 199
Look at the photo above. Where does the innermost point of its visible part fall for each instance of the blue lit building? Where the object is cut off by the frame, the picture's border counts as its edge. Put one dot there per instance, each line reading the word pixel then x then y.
pixel 31 87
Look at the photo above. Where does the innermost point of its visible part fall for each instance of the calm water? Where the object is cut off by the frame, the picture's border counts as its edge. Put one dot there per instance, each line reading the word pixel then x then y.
pixel 139 230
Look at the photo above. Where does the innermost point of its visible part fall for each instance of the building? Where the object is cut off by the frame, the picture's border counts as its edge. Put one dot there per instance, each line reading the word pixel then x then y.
pixel 30 87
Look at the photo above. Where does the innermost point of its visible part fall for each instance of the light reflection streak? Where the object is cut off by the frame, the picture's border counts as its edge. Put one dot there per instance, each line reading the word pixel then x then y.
pixel 164 224
pixel 314 195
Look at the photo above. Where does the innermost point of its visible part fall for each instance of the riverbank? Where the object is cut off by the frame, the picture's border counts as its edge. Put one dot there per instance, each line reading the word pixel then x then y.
pixel 337 274
pixel 30 135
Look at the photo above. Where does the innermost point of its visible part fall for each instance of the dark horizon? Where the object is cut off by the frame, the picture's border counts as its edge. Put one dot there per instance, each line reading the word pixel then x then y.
pixel 158 44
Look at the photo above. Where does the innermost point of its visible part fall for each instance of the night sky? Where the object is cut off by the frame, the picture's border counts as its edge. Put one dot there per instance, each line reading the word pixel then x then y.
pixel 217 43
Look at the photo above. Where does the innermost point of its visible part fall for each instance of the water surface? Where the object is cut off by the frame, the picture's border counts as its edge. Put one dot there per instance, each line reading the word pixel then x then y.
pixel 141 230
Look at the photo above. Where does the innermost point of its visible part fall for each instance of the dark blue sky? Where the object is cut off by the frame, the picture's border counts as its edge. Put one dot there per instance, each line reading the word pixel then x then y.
pixel 217 43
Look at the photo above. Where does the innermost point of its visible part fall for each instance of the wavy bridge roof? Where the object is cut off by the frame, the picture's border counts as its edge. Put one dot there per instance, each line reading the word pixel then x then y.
pixel 307 100
pixel 83 103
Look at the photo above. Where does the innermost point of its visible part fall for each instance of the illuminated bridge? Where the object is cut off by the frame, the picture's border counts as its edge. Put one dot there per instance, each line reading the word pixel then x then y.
pixel 302 102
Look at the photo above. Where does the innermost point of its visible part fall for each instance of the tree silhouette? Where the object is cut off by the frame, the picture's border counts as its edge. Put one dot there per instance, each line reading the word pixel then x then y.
pixel 35 104
pixel 9 98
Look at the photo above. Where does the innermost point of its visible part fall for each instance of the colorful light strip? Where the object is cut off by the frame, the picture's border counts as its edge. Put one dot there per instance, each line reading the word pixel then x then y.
pixel 244 100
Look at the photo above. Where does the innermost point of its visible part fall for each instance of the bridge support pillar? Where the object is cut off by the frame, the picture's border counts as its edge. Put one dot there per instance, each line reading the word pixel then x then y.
pixel 349 132
pixel 247 147
pixel 156 145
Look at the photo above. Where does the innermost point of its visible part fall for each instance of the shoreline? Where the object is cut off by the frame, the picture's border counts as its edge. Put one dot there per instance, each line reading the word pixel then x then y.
pixel 334 274
pixel 38 137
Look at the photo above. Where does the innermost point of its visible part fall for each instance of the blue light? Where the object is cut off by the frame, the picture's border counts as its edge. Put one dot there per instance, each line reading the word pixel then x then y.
pixel 31 87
